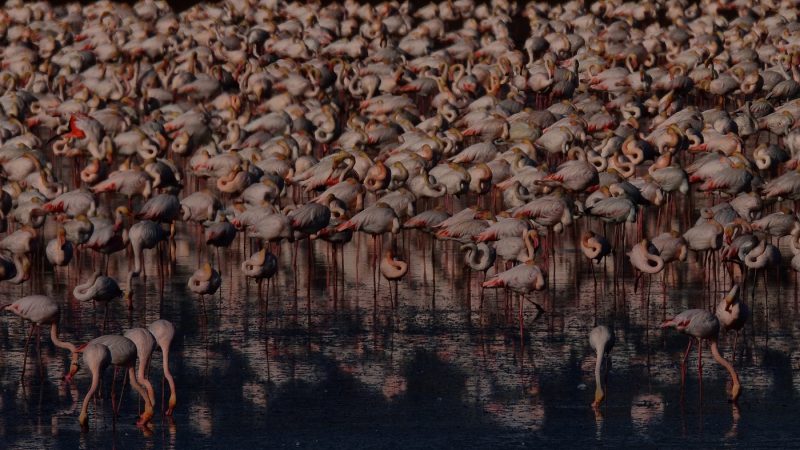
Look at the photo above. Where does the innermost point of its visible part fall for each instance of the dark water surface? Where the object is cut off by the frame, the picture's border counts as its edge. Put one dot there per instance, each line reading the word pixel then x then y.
pixel 435 372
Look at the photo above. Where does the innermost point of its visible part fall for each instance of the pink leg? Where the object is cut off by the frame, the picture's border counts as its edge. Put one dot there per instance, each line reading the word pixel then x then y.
pixel 685 358
pixel 700 363
pixel 27 345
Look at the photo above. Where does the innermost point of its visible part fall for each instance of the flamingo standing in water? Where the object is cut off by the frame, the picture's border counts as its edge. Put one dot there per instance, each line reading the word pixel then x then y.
pixel 602 339
pixel 700 324
pixel 479 257
pixel 145 344
pixel 376 220
pixel 645 259
pixel 164 332
pixel 261 265
pixel 522 279
pixel 40 310
pixel 220 233
pixel 98 288
pixel 732 314
pixel 205 281
pixel 142 235
pixel 115 350
pixel 706 238
pixel 595 248
pixel 392 269
pixel 761 257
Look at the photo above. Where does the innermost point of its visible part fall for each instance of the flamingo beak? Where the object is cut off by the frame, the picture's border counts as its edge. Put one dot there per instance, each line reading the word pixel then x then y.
pixel 729 301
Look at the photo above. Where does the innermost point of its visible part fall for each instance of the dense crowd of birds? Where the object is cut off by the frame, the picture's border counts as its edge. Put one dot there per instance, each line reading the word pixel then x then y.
pixel 262 122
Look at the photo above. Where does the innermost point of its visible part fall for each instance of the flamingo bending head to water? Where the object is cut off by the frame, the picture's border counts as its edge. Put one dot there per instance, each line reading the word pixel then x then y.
pixel 602 339
pixel 700 324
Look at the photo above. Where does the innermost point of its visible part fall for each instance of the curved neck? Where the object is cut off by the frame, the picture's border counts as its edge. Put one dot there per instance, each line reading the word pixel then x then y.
pixel 729 367
pixel 168 376
pixel 95 383
pixel 599 391
pixel 137 258
pixel 529 245
pixel 58 342
pixel 350 164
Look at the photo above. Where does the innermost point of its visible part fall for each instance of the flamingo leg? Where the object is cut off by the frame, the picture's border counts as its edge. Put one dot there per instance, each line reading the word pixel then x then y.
pixel 39 352
pixel 521 322
pixel 700 364
pixel 121 394
pixel 105 318
pixel 113 391
pixel 683 363
pixel 374 275
pixel 25 357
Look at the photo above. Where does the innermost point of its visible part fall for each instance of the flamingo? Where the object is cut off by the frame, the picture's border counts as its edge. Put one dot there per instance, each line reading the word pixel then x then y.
pixel 393 270
pixel 164 332
pixel 260 265
pixel 524 279
pixel 40 310
pixel 645 259
pixel 98 288
pixel 120 352
pixel 205 281
pixel 732 314
pixel 480 257
pixel 220 233
pixel 602 339
pixel 106 237
pixel 760 257
pixel 700 324
pixel 376 220
pixel 145 344
pixel 594 247
pixel 59 250
pixel 142 235
pixel 518 248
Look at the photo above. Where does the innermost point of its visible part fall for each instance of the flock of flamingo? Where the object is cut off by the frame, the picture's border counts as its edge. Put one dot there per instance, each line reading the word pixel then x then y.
pixel 653 130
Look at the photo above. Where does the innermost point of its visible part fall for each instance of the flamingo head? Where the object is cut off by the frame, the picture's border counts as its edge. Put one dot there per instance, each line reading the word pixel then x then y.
pixel 73 367
pixel 173 401
pixel 599 396
pixel 144 418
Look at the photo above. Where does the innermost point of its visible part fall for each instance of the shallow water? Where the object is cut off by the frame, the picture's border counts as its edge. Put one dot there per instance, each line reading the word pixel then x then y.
pixel 436 371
